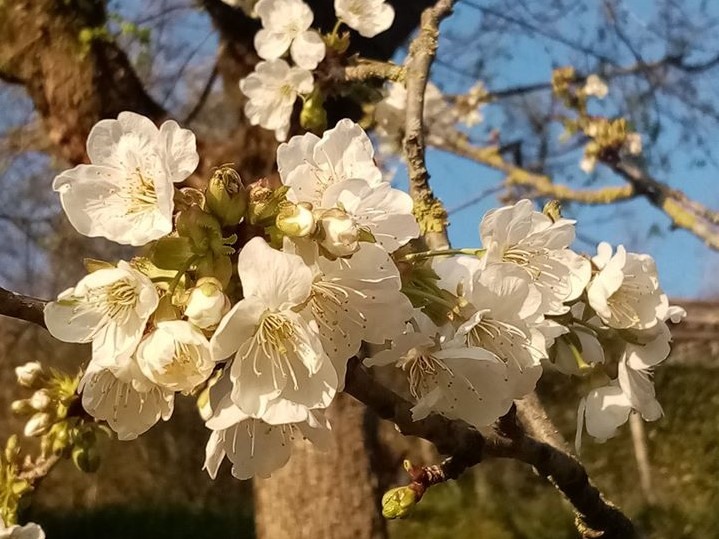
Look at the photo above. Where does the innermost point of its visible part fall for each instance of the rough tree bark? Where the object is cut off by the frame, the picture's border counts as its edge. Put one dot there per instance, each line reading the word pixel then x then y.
pixel 74 84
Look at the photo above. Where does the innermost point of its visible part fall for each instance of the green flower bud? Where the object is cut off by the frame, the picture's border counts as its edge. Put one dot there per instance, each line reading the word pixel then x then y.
pixel 398 502
pixel 553 210
pixel 21 406
pixel 264 203
pixel 226 196
pixel 217 266
pixel 41 400
pixel 87 459
pixel 313 116
pixel 296 220
pixel 12 449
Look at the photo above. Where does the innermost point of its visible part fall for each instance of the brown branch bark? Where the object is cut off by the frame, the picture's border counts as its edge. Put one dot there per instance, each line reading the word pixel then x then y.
pixel 510 439
pixel 22 307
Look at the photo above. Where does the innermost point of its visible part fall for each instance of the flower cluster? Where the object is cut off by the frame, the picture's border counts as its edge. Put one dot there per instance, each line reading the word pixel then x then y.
pixel 440 115
pixel 261 331
pixel 274 86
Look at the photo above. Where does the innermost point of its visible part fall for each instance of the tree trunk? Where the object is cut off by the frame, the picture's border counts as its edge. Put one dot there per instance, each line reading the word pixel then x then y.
pixel 325 495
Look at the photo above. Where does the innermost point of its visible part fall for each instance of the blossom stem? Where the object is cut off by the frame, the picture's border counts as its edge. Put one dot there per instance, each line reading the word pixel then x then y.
pixel 431 297
pixel 443 252
pixel 184 269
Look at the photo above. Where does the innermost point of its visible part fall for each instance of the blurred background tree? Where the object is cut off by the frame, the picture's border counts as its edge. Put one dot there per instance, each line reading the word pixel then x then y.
pixel 65 64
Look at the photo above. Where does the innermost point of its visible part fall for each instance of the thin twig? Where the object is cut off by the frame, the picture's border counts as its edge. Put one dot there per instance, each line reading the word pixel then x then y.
pixel 203 96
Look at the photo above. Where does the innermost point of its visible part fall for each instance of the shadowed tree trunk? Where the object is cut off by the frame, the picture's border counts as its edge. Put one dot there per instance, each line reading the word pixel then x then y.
pixel 337 488
pixel 73 84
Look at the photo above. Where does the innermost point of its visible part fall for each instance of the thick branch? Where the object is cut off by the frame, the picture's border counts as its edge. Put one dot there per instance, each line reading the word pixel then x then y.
pixel 429 210
pixel 72 83
pixel 467 447
pixel 22 307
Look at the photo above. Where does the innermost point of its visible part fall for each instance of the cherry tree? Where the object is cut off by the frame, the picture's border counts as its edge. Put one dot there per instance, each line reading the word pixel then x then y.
pixel 265 300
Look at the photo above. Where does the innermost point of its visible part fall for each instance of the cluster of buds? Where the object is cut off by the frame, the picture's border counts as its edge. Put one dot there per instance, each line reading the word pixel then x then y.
pixel 12 485
pixel 202 239
pixel 337 233
pixel 48 408
pixel 608 137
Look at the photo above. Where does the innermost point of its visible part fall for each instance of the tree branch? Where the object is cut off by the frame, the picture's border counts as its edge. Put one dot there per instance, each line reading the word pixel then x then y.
pixel 539 184
pixel 428 209
pixel 22 307
pixel 467 447
pixel 683 212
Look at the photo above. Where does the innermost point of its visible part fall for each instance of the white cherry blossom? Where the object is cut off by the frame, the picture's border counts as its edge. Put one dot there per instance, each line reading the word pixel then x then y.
pixel 126 193
pixel 258 447
pixel 353 300
pixel 277 354
pixel 607 408
pixel 390 115
pixel 502 316
pixel 28 531
pixel 368 17
pixel 309 164
pixel 175 356
pixel 532 241
pixel 596 86
pixel 207 304
pixel 338 171
pixel 625 293
pixel 272 89
pixel 129 402
pixel 603 411
pixel 109 307
pixel 286 25
pixel 447 377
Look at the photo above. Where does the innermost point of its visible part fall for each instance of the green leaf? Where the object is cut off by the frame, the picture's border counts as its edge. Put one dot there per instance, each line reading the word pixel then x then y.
pixel 172 253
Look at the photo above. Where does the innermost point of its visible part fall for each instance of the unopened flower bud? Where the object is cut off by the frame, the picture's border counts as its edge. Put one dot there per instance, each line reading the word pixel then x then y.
pixel 21 406
pixel 29 373
pixel 264 202
pixel 226 196
pixel 633 143
pixel 313 116
pixel 87 459
pixel 596 86
pixel 38 424
pixel 41 400
pixel 296 220
pixel 340 235
pixel 398 502
pixel 207 304
pixel 12 448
